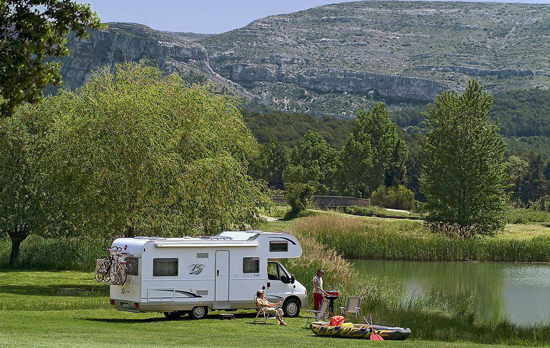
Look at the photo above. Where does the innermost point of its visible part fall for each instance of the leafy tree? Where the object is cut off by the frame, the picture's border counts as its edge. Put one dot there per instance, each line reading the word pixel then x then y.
pixel 317 159
pixel 396 197
pixel 134 152
pixel 464 177
pixel 269 165
pixel 516 168
pixel 30 32
pixel 18 188
pixel 530 183
pixel 395 174
pixel 413 174
pixel 299 192
pixel 372 155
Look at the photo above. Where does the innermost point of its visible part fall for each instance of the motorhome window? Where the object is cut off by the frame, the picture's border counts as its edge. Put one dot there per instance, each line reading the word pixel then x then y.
pixel 251 265
pixel 132 266
pixel 165 267
pixel 272 271
pixel 282 271
pixel 278 246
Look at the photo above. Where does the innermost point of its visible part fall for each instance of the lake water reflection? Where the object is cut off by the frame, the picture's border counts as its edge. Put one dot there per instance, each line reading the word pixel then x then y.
pixel 519 292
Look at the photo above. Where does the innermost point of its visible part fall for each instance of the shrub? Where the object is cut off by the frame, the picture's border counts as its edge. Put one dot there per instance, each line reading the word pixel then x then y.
pixel 396 197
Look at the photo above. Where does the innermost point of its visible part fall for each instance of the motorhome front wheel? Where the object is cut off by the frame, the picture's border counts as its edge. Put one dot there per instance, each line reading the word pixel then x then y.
pixel 198 312
pixel 291 308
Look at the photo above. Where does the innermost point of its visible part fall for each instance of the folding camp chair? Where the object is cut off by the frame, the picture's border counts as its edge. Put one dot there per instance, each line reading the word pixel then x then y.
pixel 317 315
pixel 262 316
pixel 353 307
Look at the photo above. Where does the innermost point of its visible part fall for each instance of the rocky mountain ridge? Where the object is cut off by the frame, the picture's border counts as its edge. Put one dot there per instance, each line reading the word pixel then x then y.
pixel 335 59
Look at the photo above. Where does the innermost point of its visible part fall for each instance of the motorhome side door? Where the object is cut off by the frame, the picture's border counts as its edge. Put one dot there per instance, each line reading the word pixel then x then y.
pixel 221 300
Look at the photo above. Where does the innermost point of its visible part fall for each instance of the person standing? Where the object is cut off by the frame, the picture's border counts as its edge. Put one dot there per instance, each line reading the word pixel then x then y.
pixel 318 292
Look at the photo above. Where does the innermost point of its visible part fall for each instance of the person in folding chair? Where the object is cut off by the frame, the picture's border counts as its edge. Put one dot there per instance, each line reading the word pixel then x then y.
pixel 268 307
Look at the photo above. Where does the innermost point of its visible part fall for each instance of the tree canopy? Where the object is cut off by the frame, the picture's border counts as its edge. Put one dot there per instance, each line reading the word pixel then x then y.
pixel 464 176
pixel 135 152
pixel 372 155
pixel 31 31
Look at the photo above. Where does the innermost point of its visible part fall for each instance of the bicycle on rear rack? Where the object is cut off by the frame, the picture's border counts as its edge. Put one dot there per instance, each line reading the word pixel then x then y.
pixel 111 269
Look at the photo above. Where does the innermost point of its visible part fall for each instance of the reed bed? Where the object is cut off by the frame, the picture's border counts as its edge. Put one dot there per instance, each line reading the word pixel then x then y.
pixel 55 254
pixel 408 240
pixel 527 216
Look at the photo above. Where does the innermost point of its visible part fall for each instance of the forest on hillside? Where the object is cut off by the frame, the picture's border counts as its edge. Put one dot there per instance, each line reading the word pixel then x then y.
pixel 524 116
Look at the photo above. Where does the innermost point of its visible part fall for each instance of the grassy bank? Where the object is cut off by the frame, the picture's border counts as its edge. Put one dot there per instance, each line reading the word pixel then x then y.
pixel 42 317
pixel 409 240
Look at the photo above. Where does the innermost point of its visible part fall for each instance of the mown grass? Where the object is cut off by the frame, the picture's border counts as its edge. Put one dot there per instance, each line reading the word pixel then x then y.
pixel 41 291
pixel 409 240
pixel 50 322
pixel 101 328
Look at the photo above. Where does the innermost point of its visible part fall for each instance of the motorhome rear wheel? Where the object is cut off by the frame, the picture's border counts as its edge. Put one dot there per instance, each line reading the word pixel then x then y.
pixel 198 312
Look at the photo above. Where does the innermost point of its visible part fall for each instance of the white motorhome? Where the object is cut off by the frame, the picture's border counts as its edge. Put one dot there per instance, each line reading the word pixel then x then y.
pixel 192 275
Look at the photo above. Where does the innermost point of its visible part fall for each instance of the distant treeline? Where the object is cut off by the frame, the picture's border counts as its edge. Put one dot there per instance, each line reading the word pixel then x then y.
pixel 524 116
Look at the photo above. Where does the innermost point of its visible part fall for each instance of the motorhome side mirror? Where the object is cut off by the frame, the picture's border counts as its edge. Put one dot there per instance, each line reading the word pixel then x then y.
pixel 292 278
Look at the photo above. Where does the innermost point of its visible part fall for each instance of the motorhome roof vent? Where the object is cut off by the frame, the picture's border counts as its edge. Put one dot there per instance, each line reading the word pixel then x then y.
pixel 217 238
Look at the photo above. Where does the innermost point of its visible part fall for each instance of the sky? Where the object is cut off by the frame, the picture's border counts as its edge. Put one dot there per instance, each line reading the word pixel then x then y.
pixel 205 16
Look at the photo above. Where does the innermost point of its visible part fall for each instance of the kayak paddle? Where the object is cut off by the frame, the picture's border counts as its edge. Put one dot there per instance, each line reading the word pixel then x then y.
pixel 373 335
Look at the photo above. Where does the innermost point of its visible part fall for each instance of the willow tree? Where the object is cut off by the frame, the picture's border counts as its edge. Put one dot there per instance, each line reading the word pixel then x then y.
pixel 134 152
pixel 464 177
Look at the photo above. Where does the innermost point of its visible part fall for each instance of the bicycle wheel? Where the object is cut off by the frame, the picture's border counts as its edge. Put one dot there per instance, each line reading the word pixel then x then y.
pixel 99 270
pixel 118 273
pixel 122 273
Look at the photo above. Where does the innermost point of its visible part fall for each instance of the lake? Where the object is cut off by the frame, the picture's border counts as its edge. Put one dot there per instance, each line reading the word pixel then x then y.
pixel 519 292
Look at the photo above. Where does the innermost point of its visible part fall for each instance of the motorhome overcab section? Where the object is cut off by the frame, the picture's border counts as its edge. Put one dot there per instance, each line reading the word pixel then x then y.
pixel 194 275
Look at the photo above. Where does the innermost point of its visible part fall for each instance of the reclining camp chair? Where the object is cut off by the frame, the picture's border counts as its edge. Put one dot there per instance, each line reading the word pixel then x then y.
pixel 353 307
pixel 317 315
pixel 262 316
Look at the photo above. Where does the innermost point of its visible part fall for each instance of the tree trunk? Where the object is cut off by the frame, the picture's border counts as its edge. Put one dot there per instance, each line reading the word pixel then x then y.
pixel 17 236
pixel 130 232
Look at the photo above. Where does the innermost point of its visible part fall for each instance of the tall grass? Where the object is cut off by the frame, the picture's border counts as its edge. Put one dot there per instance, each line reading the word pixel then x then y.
pixel 527 216
pixel 406 240
pixel 55 254
pixel 340 275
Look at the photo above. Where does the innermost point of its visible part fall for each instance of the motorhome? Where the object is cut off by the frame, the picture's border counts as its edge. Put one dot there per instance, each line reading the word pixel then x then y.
pixel 193 275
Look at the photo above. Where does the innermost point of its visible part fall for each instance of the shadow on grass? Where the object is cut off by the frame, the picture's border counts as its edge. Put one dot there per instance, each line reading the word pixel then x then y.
pixel 57 290
pixel 131 321
pixel 291 215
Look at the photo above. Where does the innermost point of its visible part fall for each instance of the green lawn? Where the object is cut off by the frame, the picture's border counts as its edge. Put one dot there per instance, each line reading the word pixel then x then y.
pixel 67 309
